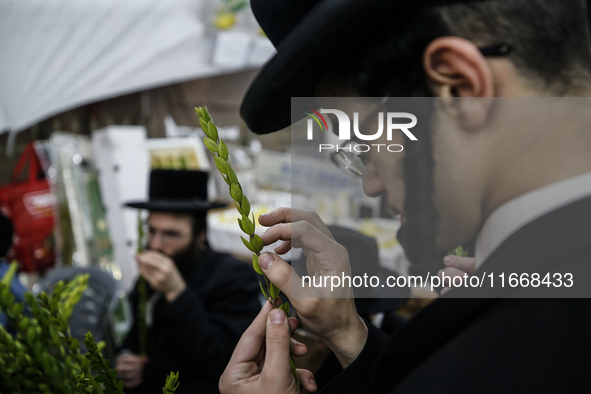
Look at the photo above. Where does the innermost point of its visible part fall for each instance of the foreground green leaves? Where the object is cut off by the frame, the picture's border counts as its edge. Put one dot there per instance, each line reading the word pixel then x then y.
pixel 43 357
pixel 172 383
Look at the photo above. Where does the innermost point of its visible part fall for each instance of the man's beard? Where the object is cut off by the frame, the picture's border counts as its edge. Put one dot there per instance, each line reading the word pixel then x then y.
pixel 418 235
pixel 420 249
pixel 187 259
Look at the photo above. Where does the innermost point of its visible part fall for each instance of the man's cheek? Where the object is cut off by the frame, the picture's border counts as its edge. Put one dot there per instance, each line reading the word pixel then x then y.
pixel 372 185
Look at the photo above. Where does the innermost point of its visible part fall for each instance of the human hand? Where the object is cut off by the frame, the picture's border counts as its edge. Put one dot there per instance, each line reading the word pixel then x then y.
pixel 161 273
pixel 260 363
pixel 334 319
pixel 456 266
pixel 130 369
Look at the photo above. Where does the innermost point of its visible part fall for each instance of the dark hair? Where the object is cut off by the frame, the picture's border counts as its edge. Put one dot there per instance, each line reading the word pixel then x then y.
pixel 6 233
pixel 549 38
pixel 199 222
pixel 550 43
pixel 551 50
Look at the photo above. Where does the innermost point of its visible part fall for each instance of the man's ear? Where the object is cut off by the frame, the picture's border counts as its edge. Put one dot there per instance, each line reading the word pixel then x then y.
pixel 456 68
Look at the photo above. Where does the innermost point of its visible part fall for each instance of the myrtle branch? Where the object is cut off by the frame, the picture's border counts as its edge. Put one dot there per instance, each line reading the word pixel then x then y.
pixel 254 243
pixel 43 357
pixel 459 251
pixel 172 383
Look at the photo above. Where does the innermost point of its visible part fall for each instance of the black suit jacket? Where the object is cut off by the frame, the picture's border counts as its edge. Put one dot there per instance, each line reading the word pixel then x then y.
pixel 196 334
pixel 492 339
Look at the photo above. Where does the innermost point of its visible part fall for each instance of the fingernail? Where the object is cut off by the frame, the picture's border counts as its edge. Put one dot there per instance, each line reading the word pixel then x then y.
pixel 277 316
pixel 449 259
pixel 263 215
pixel 296 342
pixel 312 381
pixel 265 260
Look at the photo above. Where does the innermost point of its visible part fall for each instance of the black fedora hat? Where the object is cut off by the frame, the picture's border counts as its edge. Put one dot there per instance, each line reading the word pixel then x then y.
pixel 6 233
pixel 364 259
pixel 310 36
pixel 177 191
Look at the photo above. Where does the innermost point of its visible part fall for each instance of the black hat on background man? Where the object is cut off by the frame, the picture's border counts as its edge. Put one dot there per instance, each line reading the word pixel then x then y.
pixel 6 234
pixel 177 191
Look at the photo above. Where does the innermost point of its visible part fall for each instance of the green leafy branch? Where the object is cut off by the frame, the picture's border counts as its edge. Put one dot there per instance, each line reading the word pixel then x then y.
pixel 172 383
pixel 254 243
pixel 43 357
pixel 105 375
pixel 9 275
pixel 459 251
pixel 28 361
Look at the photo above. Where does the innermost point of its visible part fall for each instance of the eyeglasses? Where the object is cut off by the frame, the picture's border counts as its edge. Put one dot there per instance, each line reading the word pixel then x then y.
pixel 345 157
pixel 351 163
pixel 167 236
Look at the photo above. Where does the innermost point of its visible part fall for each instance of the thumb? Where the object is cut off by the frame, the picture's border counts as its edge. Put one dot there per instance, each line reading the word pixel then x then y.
pixel 278 271
pixel 466 264
pixel 277 369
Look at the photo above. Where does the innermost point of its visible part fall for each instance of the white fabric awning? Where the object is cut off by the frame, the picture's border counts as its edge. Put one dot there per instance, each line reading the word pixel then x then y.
pixel 59 54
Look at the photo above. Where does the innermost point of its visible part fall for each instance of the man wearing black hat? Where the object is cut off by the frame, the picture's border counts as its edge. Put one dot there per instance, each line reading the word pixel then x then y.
pixel 199 301
pixel 524 193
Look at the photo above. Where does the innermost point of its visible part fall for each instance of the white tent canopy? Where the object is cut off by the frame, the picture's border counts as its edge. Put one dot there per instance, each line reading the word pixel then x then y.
pixel 60 54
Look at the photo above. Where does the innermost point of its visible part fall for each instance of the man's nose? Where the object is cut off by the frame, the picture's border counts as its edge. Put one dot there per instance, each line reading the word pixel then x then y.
pixel 155 242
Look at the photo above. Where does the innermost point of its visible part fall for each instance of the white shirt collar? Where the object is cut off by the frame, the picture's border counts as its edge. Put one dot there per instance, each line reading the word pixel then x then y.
pixel 516 213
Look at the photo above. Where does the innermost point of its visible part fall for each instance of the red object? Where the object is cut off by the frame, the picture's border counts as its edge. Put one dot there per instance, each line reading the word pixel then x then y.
pixel 29 204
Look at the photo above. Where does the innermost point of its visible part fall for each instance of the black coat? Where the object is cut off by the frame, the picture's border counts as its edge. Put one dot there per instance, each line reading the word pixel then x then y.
pixel 196 334
pixel 506 343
